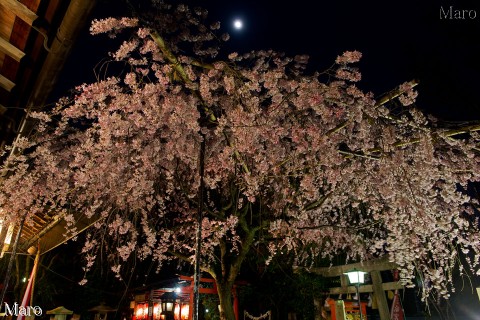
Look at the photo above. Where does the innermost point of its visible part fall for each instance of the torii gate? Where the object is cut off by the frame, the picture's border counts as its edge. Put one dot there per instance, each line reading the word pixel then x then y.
pixel 213 290
pixel 377 287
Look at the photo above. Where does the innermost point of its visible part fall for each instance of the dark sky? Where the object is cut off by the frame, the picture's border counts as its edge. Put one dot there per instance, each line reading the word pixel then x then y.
pixel 400 41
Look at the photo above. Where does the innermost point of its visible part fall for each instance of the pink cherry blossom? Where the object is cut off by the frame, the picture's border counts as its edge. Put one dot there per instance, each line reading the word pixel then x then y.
pixel 292 161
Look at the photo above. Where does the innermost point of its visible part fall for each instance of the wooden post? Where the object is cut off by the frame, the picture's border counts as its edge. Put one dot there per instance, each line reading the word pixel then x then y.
pixel 380 295
pixel 340 310
pixel 344 283
pixel 150 305
pixel 190 303
pixel 235 302
pixel 317 304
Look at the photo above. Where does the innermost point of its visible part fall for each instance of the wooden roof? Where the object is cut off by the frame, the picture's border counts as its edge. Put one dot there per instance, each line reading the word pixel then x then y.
pixel 25 28
pixel 36 37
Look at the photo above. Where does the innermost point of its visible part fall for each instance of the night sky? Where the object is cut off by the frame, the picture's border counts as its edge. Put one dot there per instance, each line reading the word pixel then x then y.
pixel 400 41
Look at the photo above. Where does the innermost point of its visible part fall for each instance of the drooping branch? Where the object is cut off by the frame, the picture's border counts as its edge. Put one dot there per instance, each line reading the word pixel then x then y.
pixel 394 94
pixel 337 128
pixel 243 251
pixel 317 203
pixel 173 60
pixel 324 226
pixel 184 258
pixel 447 134
pixel 171 57
pixel 462 130
pixel 349 154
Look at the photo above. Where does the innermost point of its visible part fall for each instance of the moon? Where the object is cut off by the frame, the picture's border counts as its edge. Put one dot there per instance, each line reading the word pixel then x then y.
pixel 238 24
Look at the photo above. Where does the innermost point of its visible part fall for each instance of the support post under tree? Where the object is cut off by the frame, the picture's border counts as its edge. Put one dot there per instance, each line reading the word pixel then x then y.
pixel 196 278
pixel 10 262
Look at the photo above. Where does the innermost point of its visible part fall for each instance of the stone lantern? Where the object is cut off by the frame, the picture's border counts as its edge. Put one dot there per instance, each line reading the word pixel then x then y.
pixel 59 313
pixel 101 311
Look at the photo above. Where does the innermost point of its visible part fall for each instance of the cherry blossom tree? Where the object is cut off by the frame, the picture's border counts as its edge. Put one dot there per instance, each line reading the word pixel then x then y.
pixel 293 161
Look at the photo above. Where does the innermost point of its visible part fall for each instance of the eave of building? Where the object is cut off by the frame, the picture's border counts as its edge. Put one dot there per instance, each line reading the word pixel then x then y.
pixel 36 37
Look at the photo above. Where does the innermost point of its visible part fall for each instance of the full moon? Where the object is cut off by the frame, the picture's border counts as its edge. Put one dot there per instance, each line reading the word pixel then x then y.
pixel 238 24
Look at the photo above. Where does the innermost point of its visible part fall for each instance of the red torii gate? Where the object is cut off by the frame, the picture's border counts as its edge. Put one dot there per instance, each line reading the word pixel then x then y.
pixel 212 290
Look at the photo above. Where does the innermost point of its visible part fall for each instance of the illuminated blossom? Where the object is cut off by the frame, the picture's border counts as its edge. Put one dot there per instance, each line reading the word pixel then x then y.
pixel 112 25
pixel 292 162
pixel 408 95
pixel 349 57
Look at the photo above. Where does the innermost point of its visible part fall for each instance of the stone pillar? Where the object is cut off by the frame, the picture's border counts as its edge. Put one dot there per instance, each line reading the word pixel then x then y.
pixel 340 310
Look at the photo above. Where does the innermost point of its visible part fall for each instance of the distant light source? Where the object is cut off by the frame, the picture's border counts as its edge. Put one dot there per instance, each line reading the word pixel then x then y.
pixel 178 289
pixel 168 304
pixel 157 311
pixel 238 24
pixel 356 276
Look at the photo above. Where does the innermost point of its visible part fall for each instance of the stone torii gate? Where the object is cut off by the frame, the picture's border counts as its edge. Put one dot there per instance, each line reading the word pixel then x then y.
pixel 373 267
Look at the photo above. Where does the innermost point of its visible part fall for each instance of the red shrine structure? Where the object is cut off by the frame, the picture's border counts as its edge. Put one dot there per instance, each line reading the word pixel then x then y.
pixel 148 306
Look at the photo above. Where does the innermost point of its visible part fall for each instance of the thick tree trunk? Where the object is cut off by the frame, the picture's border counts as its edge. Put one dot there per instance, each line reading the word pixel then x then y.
pixel 230 268
pixel 226 303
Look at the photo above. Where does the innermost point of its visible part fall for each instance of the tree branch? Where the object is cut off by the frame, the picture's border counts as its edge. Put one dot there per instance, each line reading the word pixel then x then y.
pixel 177 66
pixel 394 94
pixel 360 155
pixel 317 203
pixel 321 226
pixel 186 259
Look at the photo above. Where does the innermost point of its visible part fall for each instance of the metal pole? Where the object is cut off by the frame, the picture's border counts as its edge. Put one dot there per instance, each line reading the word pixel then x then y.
pixel 359 301
pixel 196 277
pixel 10 262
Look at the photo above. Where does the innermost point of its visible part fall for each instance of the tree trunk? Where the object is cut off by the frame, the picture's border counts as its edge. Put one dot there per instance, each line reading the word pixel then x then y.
pixel 226 303
pixel 230 268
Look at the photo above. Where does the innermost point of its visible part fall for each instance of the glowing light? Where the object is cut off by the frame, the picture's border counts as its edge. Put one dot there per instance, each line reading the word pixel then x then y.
pixel 139 312
pixel 178 289
pixel 142 311
pixel 8 237
pixel 157 311
pixel 355 276
pixel 238 24
pixel 177 311
pixel 185 311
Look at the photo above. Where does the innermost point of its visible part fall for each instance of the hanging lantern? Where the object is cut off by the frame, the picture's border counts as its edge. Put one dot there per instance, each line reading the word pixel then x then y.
pixel 168 304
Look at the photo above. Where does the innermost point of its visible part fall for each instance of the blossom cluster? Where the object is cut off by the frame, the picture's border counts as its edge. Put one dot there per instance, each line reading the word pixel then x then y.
pixel 315 165
pixel 408 94
pixel 112 25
